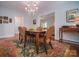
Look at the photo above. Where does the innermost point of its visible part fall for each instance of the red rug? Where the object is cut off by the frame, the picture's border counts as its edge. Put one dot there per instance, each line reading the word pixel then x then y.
pixel 8 49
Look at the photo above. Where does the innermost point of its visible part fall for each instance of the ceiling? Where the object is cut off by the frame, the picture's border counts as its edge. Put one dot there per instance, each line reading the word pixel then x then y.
pixel 44 6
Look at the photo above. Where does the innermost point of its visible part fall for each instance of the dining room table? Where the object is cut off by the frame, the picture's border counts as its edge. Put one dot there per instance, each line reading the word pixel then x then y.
pixel 37 37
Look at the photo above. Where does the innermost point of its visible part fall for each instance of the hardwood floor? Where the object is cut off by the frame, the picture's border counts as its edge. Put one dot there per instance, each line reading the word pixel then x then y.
pixel 74 47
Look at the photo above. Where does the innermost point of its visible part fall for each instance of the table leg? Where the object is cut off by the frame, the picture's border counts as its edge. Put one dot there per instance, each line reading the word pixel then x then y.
pixel 37 42
pixel 25 38
pixel 60 35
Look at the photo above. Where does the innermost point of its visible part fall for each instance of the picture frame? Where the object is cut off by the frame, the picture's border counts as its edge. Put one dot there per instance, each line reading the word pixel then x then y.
pixel 5 19
pixel 71 14
pixel 5 22
pixel 10 20
pixel 0 19
pixel 34 21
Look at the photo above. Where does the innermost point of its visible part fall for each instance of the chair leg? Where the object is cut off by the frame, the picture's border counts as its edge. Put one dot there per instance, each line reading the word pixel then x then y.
pixel 45 48
pixel 50 44
pixel 21 40
pixel 25 43
pixel 19 36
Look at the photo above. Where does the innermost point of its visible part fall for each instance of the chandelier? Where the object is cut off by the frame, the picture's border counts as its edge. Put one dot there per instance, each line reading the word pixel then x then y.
pixel 31 6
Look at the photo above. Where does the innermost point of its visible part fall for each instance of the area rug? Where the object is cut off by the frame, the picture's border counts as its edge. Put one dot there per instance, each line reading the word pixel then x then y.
pixel 12 48
pixel 30 51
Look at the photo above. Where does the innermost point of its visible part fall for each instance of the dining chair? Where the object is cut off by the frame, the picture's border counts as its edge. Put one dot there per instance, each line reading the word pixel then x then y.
pixel 47 38
pixel 22 35
pixel 53 33
pixel 31 36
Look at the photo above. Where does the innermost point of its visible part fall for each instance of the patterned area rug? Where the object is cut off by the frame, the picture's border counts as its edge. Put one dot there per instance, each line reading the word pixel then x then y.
pixel 12 48
pixel 58 49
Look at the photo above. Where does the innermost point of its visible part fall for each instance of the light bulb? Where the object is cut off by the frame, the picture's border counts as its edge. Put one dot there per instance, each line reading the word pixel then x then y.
pixel 32 6
pixel 37 2
pixel 25 8
pixel 28 5
pixel 36 8
pixel 35 5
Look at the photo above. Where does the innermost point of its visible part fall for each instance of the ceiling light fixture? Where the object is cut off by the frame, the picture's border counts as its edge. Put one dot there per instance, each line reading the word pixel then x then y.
pixel 31 6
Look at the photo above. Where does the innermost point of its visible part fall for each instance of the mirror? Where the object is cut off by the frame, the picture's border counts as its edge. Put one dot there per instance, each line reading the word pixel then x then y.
pixel 47 20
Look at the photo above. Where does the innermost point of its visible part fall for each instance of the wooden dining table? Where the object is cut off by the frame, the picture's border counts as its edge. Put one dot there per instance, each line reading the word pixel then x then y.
pixel 37 38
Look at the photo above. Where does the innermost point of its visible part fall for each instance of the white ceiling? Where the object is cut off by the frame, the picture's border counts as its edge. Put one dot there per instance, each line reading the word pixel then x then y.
pixel 44 6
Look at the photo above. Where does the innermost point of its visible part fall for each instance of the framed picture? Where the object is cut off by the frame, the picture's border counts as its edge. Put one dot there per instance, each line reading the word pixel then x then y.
pixel 34 21
pixel 10 20
pixel 71 14
pixel 5 19
pixel 0 19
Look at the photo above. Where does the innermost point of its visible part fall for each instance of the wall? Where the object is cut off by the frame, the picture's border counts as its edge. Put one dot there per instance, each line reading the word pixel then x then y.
pixel 60 19
pixel 8 30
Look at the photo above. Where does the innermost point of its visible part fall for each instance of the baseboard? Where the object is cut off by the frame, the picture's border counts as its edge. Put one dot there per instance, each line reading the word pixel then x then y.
pixel 71 42
pixel 68 41
pixel 6 36
pixel 17 33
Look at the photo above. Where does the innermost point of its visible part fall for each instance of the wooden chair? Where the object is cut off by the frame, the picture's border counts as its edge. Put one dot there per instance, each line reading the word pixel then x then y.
pixel 47 38
pixel 22 35
pixel 31 36
pixel 53 33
